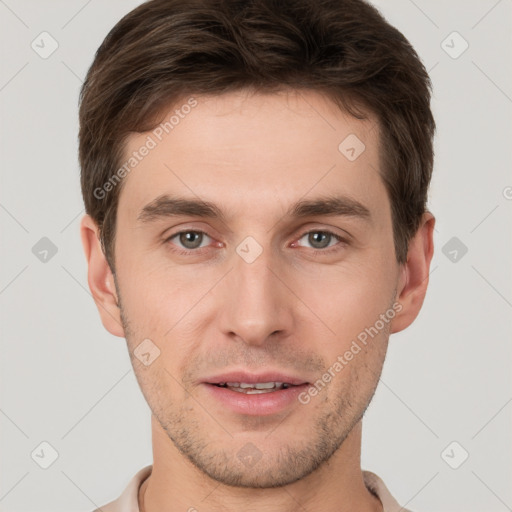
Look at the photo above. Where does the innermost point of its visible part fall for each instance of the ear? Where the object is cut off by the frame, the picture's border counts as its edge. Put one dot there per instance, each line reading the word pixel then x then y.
pixel 413 280
pixel 100 278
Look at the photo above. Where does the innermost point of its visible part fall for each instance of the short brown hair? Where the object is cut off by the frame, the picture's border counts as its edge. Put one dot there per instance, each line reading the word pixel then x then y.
pixel 165 50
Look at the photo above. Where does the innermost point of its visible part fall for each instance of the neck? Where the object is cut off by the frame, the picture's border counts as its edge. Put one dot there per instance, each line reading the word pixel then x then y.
pixel 175 484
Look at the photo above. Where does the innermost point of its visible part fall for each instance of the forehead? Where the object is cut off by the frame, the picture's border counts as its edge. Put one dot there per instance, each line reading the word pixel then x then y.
pixel 254 150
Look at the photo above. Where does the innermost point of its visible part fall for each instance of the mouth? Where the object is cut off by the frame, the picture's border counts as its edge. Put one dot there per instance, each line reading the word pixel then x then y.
pixel 251 394
pixel 255 388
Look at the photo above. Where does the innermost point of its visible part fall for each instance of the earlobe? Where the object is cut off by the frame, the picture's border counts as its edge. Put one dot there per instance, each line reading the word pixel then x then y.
pixel 100 278
pixel 414 274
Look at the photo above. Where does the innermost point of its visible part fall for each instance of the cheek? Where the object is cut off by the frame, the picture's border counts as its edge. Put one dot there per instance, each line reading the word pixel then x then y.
pixel 349 299
pixel 163 304
pixel 350 302
pixel 155 290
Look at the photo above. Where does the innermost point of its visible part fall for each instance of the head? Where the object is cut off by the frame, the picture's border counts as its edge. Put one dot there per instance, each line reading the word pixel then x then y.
pixel 255 180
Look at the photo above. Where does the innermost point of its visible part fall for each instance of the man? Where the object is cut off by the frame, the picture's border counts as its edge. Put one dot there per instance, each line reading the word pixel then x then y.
pixel 255 176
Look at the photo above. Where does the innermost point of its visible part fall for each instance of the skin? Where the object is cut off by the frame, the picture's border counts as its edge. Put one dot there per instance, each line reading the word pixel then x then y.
pixel 295 308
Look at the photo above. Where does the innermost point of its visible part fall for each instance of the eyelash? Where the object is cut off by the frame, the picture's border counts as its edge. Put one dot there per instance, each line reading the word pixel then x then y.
pixel 186 252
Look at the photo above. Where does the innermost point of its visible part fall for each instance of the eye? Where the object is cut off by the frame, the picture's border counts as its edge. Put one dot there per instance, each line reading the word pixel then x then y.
pixel 190 240
pixel 320 240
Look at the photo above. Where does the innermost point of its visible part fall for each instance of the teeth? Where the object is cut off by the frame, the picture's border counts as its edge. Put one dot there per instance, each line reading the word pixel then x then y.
pixel 252 391
pixel 256 387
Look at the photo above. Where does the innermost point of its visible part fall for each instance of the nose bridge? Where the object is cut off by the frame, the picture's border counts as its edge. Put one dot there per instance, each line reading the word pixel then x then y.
pixel 257 300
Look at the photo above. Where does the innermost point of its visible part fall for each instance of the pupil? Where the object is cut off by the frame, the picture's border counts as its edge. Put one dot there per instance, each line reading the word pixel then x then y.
pixel 185 239
pixel 317 234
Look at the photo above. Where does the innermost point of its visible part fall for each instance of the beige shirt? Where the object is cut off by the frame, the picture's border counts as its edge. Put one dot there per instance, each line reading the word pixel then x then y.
pixel 128 501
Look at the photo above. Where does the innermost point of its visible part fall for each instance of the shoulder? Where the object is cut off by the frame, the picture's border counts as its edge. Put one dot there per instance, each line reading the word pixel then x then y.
pixel 128 500
pixel 378 488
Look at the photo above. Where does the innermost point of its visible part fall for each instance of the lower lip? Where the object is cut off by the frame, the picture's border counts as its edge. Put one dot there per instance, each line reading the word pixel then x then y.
pixel 257 404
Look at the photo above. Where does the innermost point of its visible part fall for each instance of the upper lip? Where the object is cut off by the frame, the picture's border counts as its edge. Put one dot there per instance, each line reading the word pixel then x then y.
pixel 253 378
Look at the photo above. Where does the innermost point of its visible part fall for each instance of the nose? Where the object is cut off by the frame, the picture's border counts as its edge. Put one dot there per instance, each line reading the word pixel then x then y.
pixel 257 303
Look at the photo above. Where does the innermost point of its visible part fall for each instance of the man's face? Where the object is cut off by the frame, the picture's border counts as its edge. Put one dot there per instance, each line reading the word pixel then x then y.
pixel 259 290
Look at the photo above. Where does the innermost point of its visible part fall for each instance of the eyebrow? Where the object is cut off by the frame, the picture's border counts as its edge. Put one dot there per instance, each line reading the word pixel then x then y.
pixel 166 206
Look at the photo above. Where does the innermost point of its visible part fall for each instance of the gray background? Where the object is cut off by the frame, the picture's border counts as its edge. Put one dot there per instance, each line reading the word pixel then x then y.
pixel 68 382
